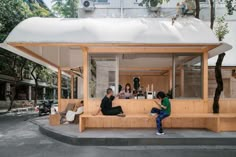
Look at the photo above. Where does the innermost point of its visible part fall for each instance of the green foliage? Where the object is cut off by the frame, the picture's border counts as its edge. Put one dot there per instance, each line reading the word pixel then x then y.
pixel 40 73
pixel 65 8
pixel 231 6
pixel 11 64
pixel 221 28
pixel 37 10
pixel 152 3
pixel 13 12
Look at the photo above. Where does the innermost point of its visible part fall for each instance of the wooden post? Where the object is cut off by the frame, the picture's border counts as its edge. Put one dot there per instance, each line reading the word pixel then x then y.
pixel 85 78
pixel 181 81
pixel 72 86
pixel 205 75
pixel 59 89
pixel 170 79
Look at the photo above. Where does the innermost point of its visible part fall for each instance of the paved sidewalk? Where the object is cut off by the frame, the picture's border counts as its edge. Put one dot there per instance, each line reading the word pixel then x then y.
pixel 69 133
pixel 24 140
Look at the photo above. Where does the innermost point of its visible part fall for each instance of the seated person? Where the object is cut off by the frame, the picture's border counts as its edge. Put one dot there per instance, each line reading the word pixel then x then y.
pixel 106 106
pixel 127 92
pixel 163 111
pixel 70 106
pixel 188 7
pixel 77 110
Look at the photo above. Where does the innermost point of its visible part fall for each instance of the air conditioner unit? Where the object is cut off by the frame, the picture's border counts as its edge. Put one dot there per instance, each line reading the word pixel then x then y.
pixel 88 5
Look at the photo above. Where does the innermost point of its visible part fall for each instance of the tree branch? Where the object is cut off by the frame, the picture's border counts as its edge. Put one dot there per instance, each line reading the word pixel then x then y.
pixel 32 72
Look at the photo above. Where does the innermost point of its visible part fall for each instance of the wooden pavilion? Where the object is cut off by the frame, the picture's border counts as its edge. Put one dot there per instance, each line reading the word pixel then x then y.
pixel 68 44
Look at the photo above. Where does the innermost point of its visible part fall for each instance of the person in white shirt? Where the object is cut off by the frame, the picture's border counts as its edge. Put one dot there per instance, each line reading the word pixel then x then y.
pixel 78 109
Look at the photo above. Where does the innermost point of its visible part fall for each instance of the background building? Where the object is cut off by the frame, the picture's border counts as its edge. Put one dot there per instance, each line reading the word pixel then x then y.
pixel 132 9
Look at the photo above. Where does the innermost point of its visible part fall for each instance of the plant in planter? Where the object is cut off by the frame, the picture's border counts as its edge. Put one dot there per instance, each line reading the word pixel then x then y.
pixel 152 4
pixel 221 28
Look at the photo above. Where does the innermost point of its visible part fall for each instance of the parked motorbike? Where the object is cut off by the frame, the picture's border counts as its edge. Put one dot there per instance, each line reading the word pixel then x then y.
pixel 45 107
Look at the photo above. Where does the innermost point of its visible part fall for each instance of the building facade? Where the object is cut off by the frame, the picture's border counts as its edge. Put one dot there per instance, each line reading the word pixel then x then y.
pixel 132 9
pixel 24 90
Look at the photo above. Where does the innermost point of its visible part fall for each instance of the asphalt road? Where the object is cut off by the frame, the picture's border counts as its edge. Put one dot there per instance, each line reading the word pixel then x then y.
pixel 21 138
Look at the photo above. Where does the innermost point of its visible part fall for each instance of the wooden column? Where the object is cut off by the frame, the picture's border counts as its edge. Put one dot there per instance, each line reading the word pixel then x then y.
pixel 59 88
pixel 205 75
pixel 170 79
pixel 72 86
pixel 181 81
pixel 85 78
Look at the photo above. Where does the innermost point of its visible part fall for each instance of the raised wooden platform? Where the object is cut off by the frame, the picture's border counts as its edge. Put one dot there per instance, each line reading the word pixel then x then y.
pixel 213 122
pixel 185 113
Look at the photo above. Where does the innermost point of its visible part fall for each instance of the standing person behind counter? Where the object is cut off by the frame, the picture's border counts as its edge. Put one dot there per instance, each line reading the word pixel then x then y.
pixel 106 106
pixel 127 92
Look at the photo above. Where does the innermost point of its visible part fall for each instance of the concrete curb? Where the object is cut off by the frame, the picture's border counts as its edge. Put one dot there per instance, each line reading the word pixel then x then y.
pixel 133 141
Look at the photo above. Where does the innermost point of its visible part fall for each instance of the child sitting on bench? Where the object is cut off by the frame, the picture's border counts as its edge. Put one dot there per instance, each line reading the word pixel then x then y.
pixel 163 111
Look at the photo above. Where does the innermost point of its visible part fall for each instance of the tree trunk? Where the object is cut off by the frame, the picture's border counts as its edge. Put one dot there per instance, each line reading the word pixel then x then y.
pixel 197 2
pixel 212 13
pixel 219 81
pixel 12 97
pixel 36 92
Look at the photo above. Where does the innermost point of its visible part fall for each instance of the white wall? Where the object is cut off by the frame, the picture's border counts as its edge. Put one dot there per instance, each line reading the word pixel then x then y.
pixel 132 9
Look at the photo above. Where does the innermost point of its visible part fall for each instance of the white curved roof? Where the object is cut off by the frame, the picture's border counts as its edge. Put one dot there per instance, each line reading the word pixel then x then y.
pixel 112 30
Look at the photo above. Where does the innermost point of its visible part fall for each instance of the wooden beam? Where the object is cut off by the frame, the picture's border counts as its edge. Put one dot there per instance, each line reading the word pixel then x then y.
pixel 205 75
pixel 70 68
pixel 143 69
pixel 145 49
pixel 31 53
pixel 72 86
pixel 66 68
pixel 85 78
pixel 59 88
pixel 111 44
pixel 210 47
pixel 165 72
pixel 223 67
pixel 134 73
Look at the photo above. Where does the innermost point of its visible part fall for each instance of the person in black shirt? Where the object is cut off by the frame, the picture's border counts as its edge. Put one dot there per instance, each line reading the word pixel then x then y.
pixel 106 105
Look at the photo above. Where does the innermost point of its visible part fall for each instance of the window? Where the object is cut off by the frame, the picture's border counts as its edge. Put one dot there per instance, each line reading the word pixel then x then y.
pixel 188 76
pixel 102 75
pixel 102 1
pixel 2 90
pixel 178 75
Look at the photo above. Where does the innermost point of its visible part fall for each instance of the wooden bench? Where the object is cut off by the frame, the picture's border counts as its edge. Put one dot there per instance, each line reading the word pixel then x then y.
pixel 185 114
pixel 227 122
pixel 213 122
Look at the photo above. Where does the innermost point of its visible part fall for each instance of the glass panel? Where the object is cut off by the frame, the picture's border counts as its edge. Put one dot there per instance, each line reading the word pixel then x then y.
pixel 102 1
pixel 229 82
pixel 188 76
pixel 102 74
pixel 65 87
pixel 146 74
pixel 75 90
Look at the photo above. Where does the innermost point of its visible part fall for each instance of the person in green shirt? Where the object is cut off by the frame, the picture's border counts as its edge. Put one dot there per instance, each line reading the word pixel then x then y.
pixel 163 111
